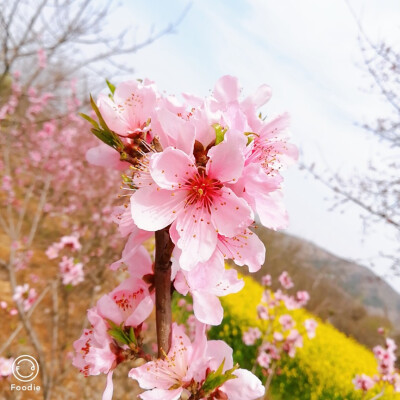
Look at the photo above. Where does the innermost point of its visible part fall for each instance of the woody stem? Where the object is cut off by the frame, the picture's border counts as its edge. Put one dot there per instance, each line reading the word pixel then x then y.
pixel 162 280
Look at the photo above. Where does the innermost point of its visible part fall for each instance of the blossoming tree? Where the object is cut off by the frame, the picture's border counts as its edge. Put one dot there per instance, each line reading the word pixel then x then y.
pixel 196 173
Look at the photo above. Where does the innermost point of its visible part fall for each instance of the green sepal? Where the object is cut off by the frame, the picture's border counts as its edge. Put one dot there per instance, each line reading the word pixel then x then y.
pixel 219 133
pixel 215 379
pixel 132 336
pixel 110 86
pixel 118 335
pixel 90 119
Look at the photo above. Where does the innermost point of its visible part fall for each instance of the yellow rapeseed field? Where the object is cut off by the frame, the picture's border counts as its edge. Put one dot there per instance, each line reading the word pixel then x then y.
pixel 323 369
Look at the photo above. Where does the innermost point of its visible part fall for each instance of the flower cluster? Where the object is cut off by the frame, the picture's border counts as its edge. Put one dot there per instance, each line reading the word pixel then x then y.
pixel 71 271
pixel 25 295
pixel 279 334
pixel 388 374
pixel 199 170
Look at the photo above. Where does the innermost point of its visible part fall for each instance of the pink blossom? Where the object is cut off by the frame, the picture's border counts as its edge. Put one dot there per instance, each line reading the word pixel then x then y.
pixel 266 280
pixel 363 382
pixel 53 251
pixel 25 295
pixel 285 280
pixel 310 325
pixel 186 366
pixel 302 298
pixel 264 360
pixel 206 282
pixel 128 112
pixel 251 336
pixel 3 305
pixel 181 303
pixel 94 351
pixel 197 202
pixel 129 303
pixel 71 242
pixel 6 367
pixel 287 322
pixel 71 272
pixel 293 340
pixel 278 336
pixel 263 312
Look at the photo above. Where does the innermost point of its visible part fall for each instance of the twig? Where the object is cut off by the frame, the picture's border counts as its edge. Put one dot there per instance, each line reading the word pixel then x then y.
pixel 20 325
pixel 162 278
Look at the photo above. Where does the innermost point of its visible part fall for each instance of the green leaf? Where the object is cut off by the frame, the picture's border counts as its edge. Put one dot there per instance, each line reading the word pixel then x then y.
pixel 99 116
pixel 215 379
pixel 119 335
pixel 219 133
pixel 90 119
pixel 110 86
pixel 132 336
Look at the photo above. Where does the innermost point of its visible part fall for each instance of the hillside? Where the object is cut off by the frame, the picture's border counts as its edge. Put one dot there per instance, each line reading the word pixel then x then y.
pixel 348 295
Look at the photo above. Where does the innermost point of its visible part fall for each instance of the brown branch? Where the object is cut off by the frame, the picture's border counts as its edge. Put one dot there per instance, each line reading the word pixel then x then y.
pixel 162 278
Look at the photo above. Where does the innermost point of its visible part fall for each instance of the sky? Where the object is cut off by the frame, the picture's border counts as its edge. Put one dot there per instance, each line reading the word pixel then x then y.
pixel 308 52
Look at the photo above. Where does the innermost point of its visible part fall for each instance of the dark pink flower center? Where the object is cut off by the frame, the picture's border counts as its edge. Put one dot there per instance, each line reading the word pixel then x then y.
pixel 202 190
pixel 125 300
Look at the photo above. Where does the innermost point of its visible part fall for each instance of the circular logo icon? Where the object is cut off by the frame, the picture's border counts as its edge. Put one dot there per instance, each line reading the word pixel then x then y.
pixel 25 368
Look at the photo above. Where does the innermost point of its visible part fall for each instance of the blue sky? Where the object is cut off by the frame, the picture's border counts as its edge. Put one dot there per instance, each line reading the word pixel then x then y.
pixel 308 52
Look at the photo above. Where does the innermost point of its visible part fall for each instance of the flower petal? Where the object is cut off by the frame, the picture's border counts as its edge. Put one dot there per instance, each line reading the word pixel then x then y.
pixel 108 392
pixel 197 236
pixel 106 156
pixel 246 387
pixel 227 158
pixel 171 168
pixel 244 249
pixel 154 208
pixel 226 89
pixel 207 307
pixel 176 131
pixel 157 394
pixel 230 214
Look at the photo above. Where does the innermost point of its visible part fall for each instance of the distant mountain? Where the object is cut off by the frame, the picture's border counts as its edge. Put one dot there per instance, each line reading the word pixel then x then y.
pixel 346 294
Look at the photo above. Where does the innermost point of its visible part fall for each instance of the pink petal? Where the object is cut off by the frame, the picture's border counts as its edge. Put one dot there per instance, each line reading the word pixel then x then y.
pixel 180 284
pixel 171 168
pixel 275 127
pixel 109 310
pixel 244 249
pixel 158 394
pixel 207 308
pixel 246 387
pixel 130 252
pixel 176 131
pixel 226 89
pixel 258 98
pixel 106 156
pixel 197 236
pixel 228 284
pixel 108 392
pixel 227 158
pixel 141 313
pixel 154 208
pixel 230 214
pixel 111 115
pixel 220 351
pixel 271 211
pixel 139 263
